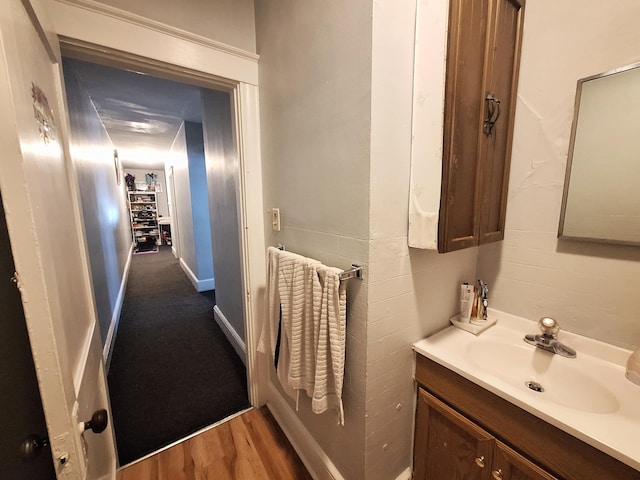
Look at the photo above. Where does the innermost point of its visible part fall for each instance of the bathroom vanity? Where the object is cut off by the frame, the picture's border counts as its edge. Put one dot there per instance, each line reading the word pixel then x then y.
pixel 476 418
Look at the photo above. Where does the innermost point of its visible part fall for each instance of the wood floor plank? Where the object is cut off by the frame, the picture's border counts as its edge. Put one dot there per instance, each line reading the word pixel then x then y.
pixel 249 446
pixel 273 447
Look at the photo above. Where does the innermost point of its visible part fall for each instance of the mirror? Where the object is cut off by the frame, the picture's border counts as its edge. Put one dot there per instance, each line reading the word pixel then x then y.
pixel 601 199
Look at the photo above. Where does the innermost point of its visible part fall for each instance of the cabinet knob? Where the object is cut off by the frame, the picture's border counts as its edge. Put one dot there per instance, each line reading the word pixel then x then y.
pixel 480 461
pixel 497 474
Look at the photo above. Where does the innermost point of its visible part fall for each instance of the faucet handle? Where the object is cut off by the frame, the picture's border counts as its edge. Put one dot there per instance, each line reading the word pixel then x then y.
pixel 549 326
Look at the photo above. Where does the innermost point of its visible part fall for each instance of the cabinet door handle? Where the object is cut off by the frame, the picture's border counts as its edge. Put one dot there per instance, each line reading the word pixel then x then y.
pixel 480 461
pixel 497 474
pixel 493 113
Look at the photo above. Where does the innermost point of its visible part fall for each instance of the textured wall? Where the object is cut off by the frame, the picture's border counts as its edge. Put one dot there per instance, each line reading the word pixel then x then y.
pixel 336 103
pixel 104 208
pixel 315 75
pixel 411 292
pixel 589 288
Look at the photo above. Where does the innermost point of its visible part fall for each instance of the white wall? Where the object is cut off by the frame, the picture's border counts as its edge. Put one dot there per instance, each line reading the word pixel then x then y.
pixel 104 207
pixel 315 102
pixel 192 220
pixel 227 21
pixel 412 293
pixel 183 223
pixel 223 184
pixel 199 200
pixel 336 105
pixel 588 288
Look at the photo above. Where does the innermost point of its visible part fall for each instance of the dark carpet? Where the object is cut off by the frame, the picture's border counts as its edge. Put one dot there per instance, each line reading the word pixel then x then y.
pixel 172 371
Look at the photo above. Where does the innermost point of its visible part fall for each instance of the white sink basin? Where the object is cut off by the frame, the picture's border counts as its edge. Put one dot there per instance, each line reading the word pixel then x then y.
pixel 543 375
pixel 587 396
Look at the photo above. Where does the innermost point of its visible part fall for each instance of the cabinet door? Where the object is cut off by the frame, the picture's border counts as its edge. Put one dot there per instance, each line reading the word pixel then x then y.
pixel 502 62
pixel 483 54
pixel 447 445
pixel 463 109
pixel 509 465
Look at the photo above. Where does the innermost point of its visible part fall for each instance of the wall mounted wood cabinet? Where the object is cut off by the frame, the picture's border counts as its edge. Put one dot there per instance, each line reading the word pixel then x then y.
pixel 484 41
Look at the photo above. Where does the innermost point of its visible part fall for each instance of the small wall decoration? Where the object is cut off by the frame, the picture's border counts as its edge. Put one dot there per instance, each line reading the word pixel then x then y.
pixel 43 114
pixel 118 165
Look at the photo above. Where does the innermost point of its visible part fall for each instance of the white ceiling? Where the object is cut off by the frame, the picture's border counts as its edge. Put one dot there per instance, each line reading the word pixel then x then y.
pixel 141 113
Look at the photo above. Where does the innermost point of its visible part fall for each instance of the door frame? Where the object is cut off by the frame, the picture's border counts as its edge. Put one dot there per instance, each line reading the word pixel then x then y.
pixel 90 31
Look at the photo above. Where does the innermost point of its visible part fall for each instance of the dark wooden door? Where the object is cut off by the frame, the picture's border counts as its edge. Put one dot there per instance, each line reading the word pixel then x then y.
pixel 21 411
pixel 502 83
pixel 464 93
pixel 509 465
pixel 483 52
pixel 447 445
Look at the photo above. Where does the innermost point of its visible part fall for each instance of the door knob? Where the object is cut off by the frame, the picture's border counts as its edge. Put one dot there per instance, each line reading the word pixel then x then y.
pixel 98 423
pixel 31 446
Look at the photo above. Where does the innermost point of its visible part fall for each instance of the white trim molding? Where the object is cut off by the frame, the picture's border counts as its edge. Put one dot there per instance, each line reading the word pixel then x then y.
pixel 107 349
pixel 232 335
pixel 254 262
pixel 110 27
pixel 147 23
pixel 200 285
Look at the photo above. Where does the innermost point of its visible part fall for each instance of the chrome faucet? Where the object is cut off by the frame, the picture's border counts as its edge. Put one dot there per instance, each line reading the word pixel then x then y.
pixel 548 340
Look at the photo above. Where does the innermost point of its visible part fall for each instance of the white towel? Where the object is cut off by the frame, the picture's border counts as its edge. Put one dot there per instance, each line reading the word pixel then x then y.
pixel 307 302
pixel 330 352
pixel 292 280
pixel 269 333
pixel 297 282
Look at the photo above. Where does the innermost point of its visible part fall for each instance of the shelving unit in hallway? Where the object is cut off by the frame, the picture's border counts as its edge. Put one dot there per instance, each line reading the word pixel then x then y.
pixel 143 214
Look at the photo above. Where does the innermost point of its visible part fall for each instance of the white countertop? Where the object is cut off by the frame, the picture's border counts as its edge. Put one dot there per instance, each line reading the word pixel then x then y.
pixel 588 397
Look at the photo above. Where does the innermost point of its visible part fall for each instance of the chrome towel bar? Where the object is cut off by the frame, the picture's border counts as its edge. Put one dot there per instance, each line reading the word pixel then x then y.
pixel 354 272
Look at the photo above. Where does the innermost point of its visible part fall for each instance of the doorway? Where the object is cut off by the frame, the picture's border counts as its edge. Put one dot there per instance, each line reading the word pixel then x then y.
pixel 107 228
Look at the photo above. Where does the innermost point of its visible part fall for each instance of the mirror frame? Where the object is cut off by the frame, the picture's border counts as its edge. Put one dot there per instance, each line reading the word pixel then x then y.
pixel 567 175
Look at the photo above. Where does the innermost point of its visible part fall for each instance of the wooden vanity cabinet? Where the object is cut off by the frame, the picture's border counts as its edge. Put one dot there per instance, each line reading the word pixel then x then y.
pixel 450 446
pixel 460 425
pixel 484 43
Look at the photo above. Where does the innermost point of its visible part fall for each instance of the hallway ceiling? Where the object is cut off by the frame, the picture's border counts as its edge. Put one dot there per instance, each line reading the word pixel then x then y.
pixel 141 113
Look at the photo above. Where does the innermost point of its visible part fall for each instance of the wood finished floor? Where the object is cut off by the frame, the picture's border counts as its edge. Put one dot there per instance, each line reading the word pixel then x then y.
pixel 247 447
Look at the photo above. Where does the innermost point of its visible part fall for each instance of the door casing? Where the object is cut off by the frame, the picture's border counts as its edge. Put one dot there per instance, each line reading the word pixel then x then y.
pixel 102 34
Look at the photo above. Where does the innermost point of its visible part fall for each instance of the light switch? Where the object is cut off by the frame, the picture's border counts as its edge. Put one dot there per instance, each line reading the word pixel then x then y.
pixel 275 219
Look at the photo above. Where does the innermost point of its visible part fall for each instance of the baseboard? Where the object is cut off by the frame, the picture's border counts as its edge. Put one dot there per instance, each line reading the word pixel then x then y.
pixel 206 285
pixel 234 339
pixel 314 458
pixel 115 318
pixel 200 285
